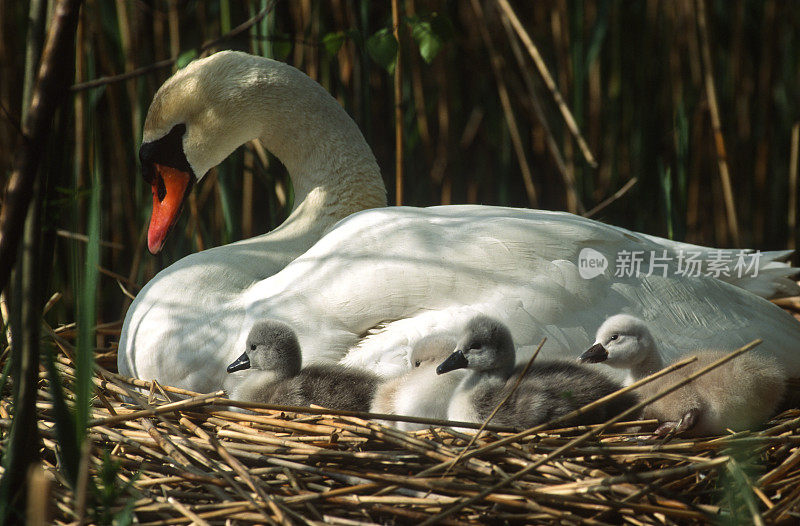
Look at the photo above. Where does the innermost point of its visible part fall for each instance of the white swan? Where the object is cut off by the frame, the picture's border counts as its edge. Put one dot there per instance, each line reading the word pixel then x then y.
pixel 197 118
pixel 738 395
pixel 383 278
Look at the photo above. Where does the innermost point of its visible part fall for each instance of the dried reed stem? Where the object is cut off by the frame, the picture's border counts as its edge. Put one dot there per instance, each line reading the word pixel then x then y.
pixel 610 199
pixel 237 466
pixel 719 142
pixel 793 162
pixel 359 414
pixel 398 105
pixel 541 67
pixel 574 204
pixel 199 400
pixel 217 465
pixel 496 61
pixel 196 519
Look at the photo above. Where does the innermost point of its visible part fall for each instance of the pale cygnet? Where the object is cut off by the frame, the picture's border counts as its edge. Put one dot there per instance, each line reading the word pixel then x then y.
pixel 549 390
pixel 272 374
pixel 420 391
pixel 737 395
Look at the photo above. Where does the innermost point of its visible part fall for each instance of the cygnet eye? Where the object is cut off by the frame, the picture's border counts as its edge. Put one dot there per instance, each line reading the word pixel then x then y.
pixel 253 347
pixel 416 363
pixel 614 337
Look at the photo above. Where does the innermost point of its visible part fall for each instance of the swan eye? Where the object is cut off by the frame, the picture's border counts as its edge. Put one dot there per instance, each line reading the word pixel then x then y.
pixel 614 337
pixel 253 347
pixel 416 363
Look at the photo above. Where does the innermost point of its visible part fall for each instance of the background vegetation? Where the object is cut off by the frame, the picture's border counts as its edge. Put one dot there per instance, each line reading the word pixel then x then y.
pixel 632 74
pixel 480 124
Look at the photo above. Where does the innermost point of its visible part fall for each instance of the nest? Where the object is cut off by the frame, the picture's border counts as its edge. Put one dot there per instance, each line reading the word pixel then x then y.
pixel 176 457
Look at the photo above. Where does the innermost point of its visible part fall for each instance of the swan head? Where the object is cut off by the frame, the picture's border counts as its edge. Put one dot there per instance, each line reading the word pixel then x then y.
pixel 197 118
pixel 622 341
pixel 486 346
pixel 271 346
pixel 206 110
pixel 431 350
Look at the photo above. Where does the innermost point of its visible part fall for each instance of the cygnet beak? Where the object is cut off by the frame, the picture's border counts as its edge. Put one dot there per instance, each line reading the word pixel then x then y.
pixel 457 360
pixel 594 354
pixel 241 363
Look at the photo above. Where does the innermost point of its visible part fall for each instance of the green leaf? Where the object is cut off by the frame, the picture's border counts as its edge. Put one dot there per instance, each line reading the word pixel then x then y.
pixel 66 435
pixel 186 57
pixel 382 48
pixel 281 48
pixel 87 312
pixel 355 36
pixel 333 42
pixel 430 32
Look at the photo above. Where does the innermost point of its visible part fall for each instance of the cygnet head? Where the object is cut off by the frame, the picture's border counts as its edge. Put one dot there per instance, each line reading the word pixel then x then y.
pixel 431 350
pixel 271 346
pixel 486 347
pixel 622 341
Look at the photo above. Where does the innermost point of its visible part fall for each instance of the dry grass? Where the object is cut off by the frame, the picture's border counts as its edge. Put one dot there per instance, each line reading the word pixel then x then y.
pixel 178 460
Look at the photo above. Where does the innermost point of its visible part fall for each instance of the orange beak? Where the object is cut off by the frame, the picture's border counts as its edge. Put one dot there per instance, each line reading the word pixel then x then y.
pixel 170 188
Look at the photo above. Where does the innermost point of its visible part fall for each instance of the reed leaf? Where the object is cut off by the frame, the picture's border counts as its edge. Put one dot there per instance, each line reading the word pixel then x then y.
pixel 87 309
pixel 63 420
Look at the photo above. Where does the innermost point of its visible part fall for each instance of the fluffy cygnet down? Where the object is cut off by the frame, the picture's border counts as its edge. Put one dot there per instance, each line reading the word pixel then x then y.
pixel 737 395
pixel 549 390
pixel 420 391
pixel 271 374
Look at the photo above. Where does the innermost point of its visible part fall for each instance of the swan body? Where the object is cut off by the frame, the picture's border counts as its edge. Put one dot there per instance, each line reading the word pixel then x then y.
pixel 381 279
pixel 271 373
pixel 384 278
pixel 419 391
pixel 737 395
pixel 197 118
pixel 549 390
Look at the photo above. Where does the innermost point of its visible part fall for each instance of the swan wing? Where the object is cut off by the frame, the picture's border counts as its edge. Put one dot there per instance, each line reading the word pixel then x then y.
pixel 382 279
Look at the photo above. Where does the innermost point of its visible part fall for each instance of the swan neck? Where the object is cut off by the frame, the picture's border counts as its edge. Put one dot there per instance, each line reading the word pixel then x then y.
pixel 322 148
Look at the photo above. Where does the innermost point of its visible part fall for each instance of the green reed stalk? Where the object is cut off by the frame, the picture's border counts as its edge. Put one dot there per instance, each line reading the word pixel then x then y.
pixel 87 305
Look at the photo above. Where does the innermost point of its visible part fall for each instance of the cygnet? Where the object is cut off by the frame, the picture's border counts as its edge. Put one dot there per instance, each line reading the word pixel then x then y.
pixel 549 390
pixel 420 391
pixel 271 374
pixel 737 395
